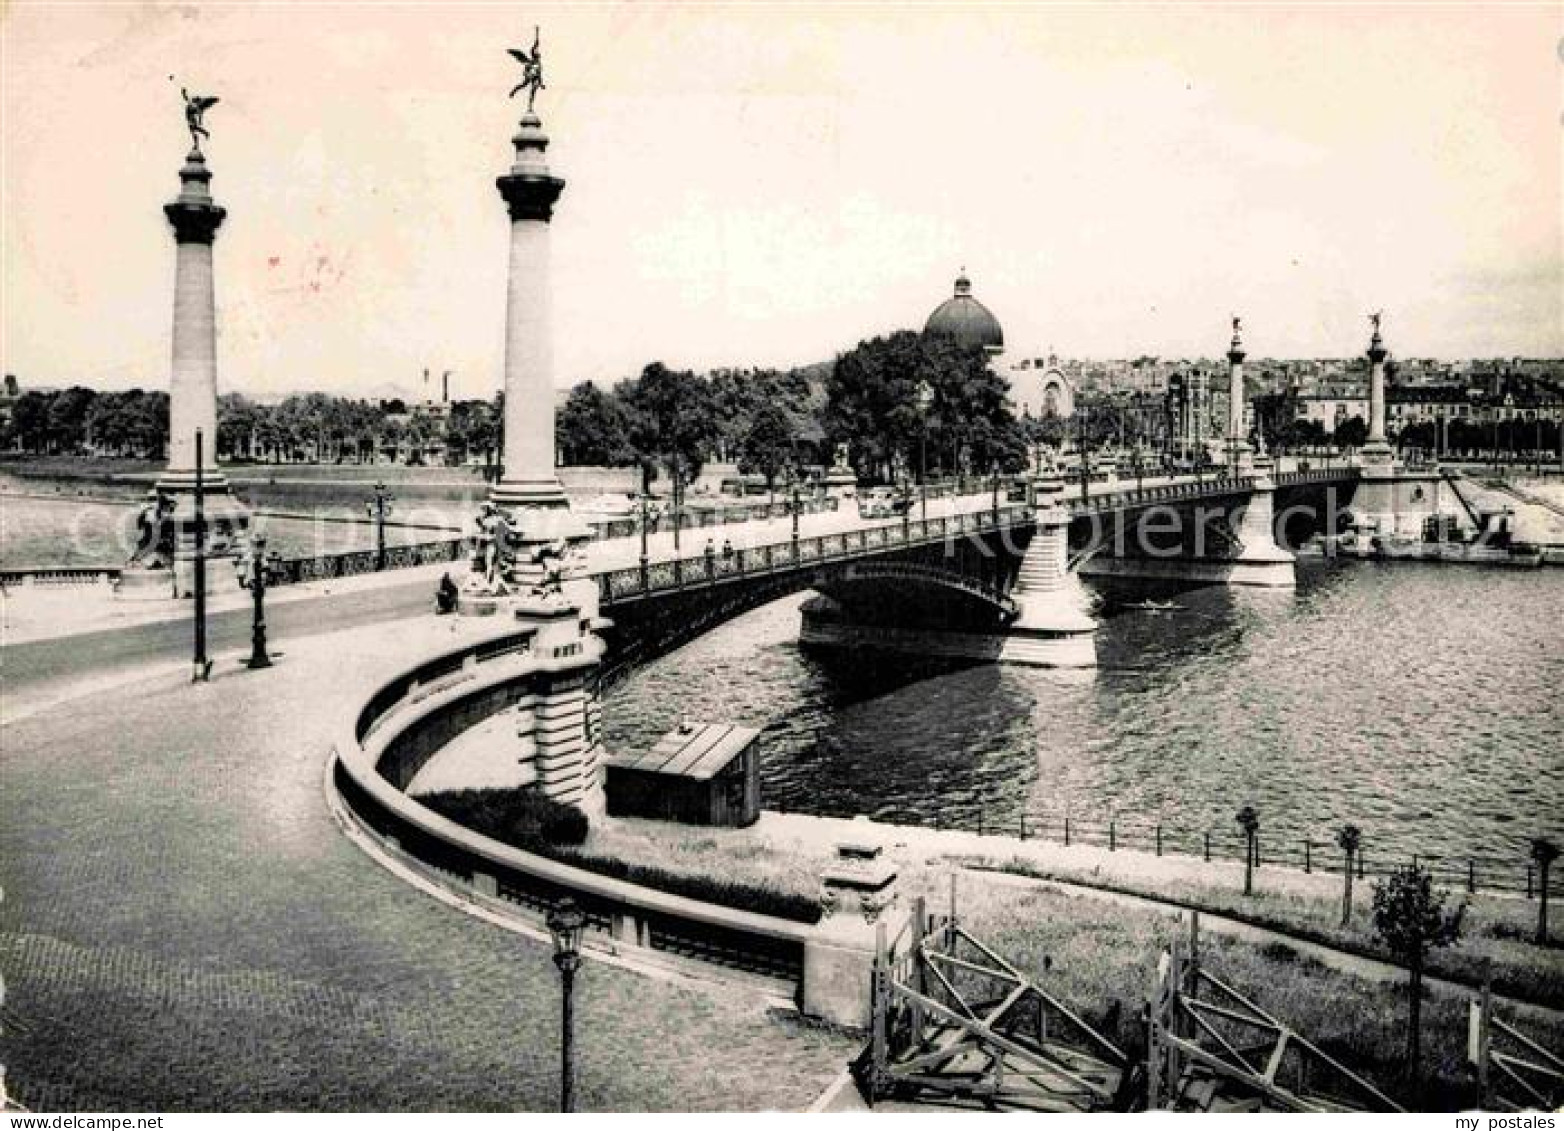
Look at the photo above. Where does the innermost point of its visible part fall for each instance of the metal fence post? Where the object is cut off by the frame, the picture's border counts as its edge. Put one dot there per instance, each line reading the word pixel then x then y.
pixel 1208 846
pixel 1159 840
pixel 1471 876
pixel 1308 857
pixel 1113 836
pixel 1067 831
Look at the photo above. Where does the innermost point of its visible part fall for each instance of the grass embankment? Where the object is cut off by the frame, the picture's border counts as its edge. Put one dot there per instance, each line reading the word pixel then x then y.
pixel 684 862
pixel 1498 931
pixel 788 851
pixel 1101 954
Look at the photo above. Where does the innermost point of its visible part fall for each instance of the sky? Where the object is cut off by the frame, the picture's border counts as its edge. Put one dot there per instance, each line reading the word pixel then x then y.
pixel 768 185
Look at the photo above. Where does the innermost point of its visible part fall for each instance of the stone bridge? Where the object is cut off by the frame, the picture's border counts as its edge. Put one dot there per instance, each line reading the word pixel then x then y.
pixel 980 584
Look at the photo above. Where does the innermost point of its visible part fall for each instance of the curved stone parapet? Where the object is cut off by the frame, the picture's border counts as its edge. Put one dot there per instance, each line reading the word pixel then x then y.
pixel 396 725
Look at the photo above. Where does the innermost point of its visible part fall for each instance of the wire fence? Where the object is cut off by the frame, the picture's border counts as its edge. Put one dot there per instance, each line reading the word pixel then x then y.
pixel 1512 874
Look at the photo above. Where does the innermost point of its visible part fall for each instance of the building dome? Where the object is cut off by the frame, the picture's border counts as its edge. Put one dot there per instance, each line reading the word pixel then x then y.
pixel 966 320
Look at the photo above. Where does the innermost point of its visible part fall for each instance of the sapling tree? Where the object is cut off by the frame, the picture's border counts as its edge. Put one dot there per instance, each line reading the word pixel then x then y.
pixel 1249 821
pixel 1349 837
pixel 1543 853
pixel 1411 919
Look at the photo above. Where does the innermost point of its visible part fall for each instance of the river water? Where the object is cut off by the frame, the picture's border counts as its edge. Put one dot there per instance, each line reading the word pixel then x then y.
pixel 1422 703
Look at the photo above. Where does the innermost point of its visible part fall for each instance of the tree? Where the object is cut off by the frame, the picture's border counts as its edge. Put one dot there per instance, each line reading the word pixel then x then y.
pixel 872 405
pixel 1411 919
pixel 670 421
pixel 30 421
pixel 1349 837
pixel 767 447
pixel 1352 433
pixel 1543 852
pixel 592 428
pixel 68 414
pixel 1249 822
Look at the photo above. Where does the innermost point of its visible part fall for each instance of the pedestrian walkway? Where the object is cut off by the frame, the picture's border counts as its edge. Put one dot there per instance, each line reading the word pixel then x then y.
pixel 185 928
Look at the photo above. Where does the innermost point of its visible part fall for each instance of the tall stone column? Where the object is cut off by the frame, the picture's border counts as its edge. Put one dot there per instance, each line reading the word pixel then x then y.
pixel 1055 628
pixel 1389 504
pixel 528 510
pixel 1238 444
pixel 530 193
pixel 192 391
pixel 164 564
pixel 1377 449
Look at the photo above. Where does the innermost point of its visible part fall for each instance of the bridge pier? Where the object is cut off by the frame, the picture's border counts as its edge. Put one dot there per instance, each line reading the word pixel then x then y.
pixel 1261 561
pixel 1055 628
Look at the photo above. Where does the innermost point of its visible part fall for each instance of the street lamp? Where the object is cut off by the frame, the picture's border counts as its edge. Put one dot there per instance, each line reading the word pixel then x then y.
pixel 257 582
pixel 566 924
pixel 645 522
pixel 377 510
pixel 925 397
pixel 794 506
pixel 202 665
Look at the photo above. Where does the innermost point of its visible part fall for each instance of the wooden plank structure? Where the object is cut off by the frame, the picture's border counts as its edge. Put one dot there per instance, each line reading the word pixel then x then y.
pixel 699 773
pixel 1519 1074
pixel 1210 1048
pixel 953 1021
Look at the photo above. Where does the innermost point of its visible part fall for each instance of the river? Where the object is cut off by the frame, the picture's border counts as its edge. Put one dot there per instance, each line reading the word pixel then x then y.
pixel 1422 703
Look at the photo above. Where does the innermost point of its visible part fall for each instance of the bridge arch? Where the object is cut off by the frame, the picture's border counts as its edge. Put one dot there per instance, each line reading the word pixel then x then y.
pixel 965 583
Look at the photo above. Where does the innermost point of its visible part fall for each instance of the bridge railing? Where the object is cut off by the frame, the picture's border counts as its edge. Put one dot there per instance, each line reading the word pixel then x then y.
pixel 295 571
pixel 712 566
pixel 1315 475
pixel 57 577
pixel 1161 493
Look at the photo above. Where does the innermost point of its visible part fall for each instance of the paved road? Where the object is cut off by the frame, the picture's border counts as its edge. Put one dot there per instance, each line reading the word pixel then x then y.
pixel 43 666
pixel 185 928
pixel 48 669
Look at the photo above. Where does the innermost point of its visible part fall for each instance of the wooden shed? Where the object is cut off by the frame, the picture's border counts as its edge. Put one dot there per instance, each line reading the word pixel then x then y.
pixel 699 774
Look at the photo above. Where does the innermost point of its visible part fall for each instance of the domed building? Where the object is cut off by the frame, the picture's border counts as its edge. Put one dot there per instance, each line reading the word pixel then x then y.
pixel 1038 388
pixel 967 321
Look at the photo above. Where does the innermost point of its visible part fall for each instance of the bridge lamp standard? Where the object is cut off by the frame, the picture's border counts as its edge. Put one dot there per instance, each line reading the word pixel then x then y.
pixel 794 506
pixel 377 509
pixel 256 580
pixel 566 925
pixel 923 399
pixel 644 524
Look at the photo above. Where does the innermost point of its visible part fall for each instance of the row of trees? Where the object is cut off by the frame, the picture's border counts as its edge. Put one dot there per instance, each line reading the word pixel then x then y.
pixel 902 405
pixel 133 424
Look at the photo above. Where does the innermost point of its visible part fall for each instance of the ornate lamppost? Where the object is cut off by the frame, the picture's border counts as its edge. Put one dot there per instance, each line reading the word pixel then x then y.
pixel 794 506
pixel 377 509
pixel 925 398
pixel 645 524
pixel 566 924
pixel 257 583
pixel 202 666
